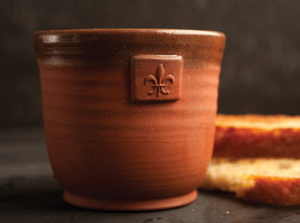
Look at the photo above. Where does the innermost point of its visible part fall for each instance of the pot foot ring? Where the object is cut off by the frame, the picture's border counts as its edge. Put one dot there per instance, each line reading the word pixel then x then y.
pixel 120 205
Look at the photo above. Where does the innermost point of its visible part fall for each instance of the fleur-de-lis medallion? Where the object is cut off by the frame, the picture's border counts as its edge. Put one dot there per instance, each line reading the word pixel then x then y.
pixel 159 82
pixel 153 77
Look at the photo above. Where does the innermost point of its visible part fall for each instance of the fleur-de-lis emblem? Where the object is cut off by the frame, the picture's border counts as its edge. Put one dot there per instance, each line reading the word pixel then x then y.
pixel 159 81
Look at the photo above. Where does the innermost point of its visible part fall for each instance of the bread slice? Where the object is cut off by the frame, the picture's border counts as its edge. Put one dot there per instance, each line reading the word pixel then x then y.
pixel 274 181
pixel 257 157
pixel 270 136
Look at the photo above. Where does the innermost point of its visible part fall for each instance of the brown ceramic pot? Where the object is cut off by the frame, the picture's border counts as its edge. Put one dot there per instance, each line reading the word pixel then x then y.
pixel 129 113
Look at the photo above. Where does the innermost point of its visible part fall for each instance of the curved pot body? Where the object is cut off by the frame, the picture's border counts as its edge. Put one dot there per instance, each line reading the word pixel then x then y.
pixel 129 113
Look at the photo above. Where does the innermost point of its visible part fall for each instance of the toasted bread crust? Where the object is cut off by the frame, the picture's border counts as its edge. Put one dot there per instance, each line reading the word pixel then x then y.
pixel 257 136
pixel 245 142
pixel 273 190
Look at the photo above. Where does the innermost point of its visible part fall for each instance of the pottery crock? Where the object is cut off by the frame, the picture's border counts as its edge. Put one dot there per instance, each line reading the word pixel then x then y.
pixel 129 113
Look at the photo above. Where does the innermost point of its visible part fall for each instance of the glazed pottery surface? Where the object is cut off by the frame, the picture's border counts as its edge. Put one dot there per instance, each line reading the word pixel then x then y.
pixel 129 113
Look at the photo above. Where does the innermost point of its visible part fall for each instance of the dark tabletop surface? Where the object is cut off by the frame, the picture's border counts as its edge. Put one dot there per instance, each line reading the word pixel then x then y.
pixel 28 193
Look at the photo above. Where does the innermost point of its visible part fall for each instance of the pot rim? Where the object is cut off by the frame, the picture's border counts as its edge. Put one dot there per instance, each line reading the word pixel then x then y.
pixel 114 47
pixel 132 30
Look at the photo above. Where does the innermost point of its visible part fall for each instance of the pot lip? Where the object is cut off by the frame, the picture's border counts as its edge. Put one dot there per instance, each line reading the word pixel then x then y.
pixel 131 30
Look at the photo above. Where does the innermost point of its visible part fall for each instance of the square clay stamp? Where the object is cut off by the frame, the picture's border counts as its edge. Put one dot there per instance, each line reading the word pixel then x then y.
pixel 156 77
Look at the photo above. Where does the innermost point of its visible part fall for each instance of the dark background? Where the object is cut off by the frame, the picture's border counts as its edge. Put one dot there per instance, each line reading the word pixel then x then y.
pixel 260 70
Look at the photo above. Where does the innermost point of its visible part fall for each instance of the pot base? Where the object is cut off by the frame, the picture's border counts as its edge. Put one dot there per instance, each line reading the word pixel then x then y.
pixel 121 205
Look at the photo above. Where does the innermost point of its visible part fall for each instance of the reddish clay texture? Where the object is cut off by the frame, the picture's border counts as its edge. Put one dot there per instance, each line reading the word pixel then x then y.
pixel 129 114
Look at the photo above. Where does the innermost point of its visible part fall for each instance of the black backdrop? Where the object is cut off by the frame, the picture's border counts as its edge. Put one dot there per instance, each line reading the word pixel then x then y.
pixel 261 66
